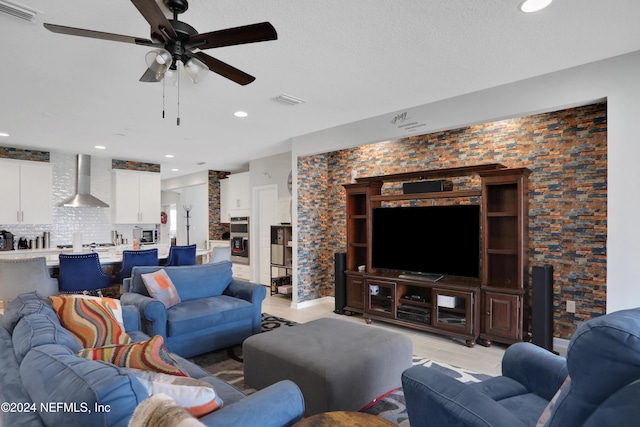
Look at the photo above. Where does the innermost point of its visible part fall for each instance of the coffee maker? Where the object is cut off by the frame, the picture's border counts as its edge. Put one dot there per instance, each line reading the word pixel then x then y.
pixel 6 241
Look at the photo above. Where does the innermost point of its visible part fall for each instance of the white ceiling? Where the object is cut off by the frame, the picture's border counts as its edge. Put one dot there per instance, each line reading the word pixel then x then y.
pixel 349 60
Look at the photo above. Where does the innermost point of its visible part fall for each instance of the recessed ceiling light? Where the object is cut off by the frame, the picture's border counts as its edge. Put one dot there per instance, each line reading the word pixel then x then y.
pixel 100 147
pixel 4 134
pixel 174 170
pixel 240 114
pixel 530 6
pixel 169 156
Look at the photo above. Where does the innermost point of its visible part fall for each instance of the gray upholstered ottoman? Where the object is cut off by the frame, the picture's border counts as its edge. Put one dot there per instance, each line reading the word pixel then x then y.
pixel 339 365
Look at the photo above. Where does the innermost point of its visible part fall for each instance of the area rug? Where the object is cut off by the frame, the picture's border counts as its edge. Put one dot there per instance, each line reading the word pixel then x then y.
pixel 227 365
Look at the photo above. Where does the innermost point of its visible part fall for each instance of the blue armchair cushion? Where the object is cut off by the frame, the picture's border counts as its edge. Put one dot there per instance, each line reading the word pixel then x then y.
pixel 204 313
pixel 603 357
pixel 191 282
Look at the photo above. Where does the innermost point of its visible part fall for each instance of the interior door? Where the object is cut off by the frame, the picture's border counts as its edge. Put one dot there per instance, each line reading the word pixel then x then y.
pixel 264 215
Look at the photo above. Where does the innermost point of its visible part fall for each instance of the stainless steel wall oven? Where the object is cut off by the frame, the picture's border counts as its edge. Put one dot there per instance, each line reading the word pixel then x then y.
pixel 239 234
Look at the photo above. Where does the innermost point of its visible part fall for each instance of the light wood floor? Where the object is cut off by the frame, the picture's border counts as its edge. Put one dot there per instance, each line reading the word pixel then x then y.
pixel 432 346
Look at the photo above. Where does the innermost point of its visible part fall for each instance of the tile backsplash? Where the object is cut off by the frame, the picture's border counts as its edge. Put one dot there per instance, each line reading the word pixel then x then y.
pixel 94 223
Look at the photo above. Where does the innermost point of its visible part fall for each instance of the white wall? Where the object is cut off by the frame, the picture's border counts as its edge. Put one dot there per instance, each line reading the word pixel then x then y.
pixel 198 197
pixel 271 170
pixel 616 79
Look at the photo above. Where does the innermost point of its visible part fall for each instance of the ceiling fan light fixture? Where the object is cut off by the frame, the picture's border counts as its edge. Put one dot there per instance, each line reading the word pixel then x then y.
pixel 196 69
pixel 530 6
pixel 158 60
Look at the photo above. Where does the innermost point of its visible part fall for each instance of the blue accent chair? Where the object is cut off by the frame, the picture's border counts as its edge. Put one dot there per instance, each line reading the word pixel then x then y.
pixel 131 259
pixel 81 272
pixel 603 388
pixel 181 255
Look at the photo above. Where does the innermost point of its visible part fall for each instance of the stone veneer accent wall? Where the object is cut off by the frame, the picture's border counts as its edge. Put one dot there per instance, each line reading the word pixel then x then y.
pixel 567 153
pixel 22 154
pixel 216 227
pixel 135 166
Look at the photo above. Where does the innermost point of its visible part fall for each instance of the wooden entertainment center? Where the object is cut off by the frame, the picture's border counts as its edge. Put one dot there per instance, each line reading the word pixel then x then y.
pixel 485 309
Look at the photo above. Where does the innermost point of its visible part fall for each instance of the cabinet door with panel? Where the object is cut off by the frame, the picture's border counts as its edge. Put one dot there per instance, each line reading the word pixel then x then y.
pixel 136 197
pixel 502 318
pixel 9 193
pixel 355 293
pixel 25 191
pixel 225 201
pixel 150 194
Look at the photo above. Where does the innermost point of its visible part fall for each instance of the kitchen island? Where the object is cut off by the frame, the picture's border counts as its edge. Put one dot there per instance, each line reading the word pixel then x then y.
pixel 108 256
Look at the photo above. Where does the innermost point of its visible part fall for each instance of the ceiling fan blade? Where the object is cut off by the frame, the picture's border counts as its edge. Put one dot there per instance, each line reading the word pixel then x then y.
pixel 151 76
pixel 160 25
pixel 224 69
pixel 60 29
pixel 261 32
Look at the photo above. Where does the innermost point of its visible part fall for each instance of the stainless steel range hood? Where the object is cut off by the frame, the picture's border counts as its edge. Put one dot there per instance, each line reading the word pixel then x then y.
pixel 83 198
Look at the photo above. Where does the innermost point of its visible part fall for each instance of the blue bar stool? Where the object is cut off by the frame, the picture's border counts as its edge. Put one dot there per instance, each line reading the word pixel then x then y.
pixel 82 272
pixel 182 255
pixel 131 259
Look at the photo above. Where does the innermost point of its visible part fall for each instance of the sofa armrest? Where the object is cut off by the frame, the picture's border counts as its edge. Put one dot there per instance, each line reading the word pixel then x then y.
pixel 248 291
pixel 153 313
pixel 435 399
pixel 539 370
pixel 278 405
pixel 131 318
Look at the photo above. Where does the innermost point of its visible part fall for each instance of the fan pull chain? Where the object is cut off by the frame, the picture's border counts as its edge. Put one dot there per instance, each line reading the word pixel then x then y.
pixel 163 83
pixel 178 119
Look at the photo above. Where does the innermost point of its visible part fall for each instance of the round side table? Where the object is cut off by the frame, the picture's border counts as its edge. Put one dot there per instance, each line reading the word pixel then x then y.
pixel 344 419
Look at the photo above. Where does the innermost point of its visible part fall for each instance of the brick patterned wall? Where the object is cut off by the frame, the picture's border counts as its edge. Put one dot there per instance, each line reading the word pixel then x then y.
pixel 567 153
pixel 216 228
pixel 22 154
pixel 135 166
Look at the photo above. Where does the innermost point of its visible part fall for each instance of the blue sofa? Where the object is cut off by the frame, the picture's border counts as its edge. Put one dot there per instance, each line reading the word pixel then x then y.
pixel 215 312
pixel 38 364
pixel 603 388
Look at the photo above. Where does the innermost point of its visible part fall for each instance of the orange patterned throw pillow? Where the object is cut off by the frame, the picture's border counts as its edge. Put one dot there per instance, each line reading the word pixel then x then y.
pixel 160 286
pixel 92 322
pixel 150 355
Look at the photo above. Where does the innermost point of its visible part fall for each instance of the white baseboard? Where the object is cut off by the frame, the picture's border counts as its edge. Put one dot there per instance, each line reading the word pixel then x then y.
pixel 312 302
pixel 561 345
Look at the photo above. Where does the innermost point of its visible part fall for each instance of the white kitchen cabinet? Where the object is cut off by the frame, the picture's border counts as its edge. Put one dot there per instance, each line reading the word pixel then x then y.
pixel 25 191
pixel 235 194
pixel 136 197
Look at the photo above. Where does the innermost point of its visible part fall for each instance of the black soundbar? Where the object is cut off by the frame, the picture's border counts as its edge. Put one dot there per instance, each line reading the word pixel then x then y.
pixel 427 186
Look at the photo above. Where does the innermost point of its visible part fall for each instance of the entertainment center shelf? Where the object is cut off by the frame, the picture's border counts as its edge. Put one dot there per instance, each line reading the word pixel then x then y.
pixel 486 308
pixel 447 306
pixel 418 196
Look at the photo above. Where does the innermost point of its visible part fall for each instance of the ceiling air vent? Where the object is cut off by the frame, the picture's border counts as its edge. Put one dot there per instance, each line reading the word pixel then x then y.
pixel 288 99
pixel 18 10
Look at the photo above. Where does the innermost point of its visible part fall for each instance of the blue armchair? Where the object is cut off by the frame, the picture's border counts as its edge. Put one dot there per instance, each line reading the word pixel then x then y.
pixel 215 312
pixel 603 388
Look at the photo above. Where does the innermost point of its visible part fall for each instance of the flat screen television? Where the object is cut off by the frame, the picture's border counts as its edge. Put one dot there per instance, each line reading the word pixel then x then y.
pixel 442 240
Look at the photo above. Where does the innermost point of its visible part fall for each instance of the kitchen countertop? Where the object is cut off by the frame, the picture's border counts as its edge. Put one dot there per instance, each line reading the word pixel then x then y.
pixel 107 255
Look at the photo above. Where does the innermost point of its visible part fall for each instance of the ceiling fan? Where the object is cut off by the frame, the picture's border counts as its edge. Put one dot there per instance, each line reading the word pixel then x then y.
pixel 175 41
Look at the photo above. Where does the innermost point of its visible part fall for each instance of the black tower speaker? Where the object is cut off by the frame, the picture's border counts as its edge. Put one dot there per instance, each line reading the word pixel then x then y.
pixel 340 284
pixel 542 307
